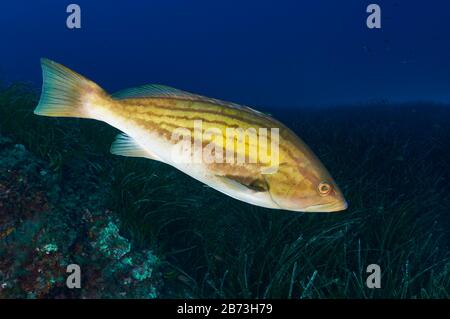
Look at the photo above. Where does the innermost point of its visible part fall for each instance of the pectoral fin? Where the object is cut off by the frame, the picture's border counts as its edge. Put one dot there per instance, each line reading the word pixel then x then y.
pixel 244 183
pixel 125 145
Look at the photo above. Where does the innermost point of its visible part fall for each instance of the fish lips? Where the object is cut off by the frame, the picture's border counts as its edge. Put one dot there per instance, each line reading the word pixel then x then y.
pixel 335 206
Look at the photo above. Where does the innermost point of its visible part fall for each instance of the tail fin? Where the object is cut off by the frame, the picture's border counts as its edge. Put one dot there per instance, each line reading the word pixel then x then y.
pixel 64 91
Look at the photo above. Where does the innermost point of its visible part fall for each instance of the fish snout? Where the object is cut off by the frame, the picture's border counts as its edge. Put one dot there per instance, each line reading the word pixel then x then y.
pixel 322 197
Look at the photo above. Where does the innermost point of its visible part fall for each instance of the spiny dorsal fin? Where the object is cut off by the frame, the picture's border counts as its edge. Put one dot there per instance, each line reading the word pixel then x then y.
pixel 151 90
pixel 161 91
pixel 125 145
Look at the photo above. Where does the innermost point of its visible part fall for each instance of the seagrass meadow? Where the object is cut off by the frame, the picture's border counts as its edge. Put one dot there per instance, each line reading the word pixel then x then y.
pixel 391 161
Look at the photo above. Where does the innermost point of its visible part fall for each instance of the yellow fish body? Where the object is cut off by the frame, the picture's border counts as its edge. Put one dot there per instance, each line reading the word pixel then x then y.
pixel 234 149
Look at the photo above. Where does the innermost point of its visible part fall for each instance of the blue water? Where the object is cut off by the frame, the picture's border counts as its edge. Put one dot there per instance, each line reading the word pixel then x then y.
pixel 262 53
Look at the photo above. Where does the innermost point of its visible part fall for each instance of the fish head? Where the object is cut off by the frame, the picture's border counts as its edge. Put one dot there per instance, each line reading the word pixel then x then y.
pixel 310 189
pixel 321 197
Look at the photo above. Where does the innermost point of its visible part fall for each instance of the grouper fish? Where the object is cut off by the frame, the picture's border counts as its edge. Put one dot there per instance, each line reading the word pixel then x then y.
pixel 234 149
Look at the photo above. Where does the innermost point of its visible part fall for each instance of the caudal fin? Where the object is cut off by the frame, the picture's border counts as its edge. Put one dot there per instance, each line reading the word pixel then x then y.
pixel 64 92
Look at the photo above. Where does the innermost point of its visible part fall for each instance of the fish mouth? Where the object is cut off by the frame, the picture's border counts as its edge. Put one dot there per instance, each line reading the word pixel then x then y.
pixel 327 208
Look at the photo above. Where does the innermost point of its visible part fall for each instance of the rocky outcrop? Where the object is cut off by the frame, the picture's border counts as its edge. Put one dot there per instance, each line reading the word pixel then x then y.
pixel 46 225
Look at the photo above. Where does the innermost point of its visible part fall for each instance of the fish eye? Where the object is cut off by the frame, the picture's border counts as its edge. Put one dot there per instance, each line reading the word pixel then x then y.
pixel 324 188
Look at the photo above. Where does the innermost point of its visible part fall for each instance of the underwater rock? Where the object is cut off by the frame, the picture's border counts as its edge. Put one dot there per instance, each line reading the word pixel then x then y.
pixel 46 226
pixel 110 243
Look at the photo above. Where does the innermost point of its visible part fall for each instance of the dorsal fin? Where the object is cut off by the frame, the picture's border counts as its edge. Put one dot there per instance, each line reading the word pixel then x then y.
pixel 125 145
pixel 161 91
pixel 152 90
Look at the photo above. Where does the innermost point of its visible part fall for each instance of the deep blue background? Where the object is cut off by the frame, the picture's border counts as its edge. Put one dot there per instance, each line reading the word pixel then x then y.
pixel 269 54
